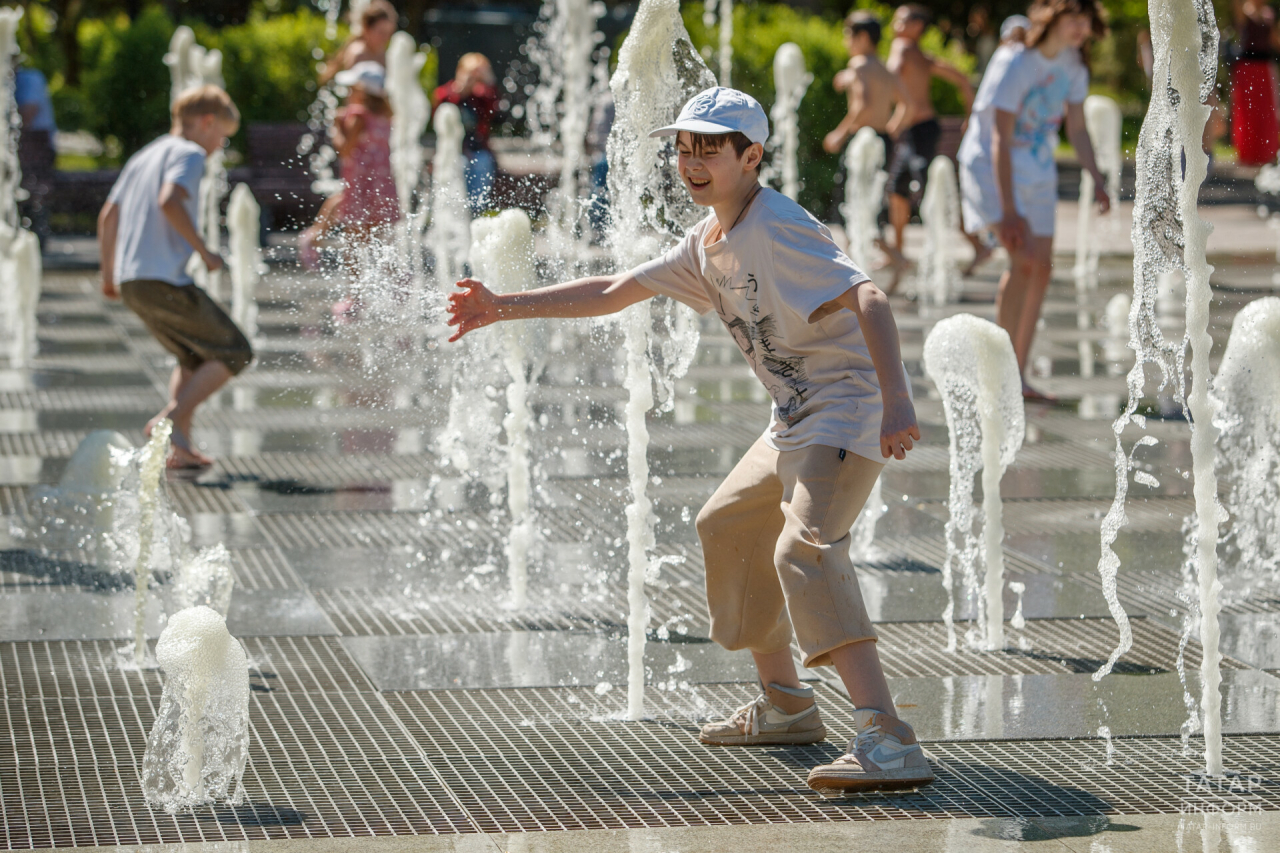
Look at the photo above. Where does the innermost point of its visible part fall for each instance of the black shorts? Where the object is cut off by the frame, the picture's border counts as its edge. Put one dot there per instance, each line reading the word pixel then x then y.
pixel 912 154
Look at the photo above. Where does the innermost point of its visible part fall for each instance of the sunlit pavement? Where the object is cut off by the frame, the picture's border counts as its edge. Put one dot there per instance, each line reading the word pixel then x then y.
pixel 395 694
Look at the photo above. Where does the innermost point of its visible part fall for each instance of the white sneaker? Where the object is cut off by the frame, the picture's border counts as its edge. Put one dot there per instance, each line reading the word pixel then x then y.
pixel 883 756
pixel 778 715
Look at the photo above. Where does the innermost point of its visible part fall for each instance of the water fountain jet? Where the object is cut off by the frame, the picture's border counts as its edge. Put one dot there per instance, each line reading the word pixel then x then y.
pixel 790 82
pixel 244 226
pixel 199 744
pixel 1171 165
pixel 863 194
pixel 658 72
pixel 151 466
pixel 971 360
pixel 1103 120
pixel 937 277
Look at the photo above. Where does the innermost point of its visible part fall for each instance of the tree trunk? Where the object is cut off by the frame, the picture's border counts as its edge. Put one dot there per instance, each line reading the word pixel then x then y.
pixel 68 12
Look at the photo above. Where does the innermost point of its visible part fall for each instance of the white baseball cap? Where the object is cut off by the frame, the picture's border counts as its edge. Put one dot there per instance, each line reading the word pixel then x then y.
pixel 1012 23
pixel 368 74
pixel 721 110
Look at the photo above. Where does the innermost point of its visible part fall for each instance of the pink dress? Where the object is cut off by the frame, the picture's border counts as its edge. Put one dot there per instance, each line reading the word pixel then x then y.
pixel 369 194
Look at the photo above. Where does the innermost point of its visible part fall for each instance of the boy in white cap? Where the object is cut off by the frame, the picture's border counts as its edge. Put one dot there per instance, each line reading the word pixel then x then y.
pixel 775 535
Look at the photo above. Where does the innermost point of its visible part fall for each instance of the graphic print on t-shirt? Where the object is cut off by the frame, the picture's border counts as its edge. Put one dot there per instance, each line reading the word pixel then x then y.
pixel 755 336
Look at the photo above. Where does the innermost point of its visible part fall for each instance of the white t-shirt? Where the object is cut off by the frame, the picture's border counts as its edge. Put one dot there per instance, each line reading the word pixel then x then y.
pixel 1022 81
pixel 765 280
pixel 147 246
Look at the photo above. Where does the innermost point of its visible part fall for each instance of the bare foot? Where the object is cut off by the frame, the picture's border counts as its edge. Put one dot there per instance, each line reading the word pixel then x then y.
pixel 183 456
pixel 980 257
pixel 893 257
pixel 1034 395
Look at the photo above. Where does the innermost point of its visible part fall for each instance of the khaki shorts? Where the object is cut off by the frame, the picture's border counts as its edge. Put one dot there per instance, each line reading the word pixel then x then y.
pixel 188 323
pixel 775 538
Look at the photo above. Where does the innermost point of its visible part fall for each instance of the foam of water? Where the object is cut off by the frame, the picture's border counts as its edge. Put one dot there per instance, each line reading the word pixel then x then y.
pixel 449 235
pixel 244 224
pixel 1171 166
pixel 971 360
pixel 863 191
pixel 790 81
pixel 937 277
pixel 658 71
pixel 197 748
pixel 1103 121
pixel 502 256
pixel 411 110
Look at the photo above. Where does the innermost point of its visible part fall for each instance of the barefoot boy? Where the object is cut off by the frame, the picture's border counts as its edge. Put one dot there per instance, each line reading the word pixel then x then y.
pixel 872 89
pixel 775 534
pixel 915 124
pixel 146 233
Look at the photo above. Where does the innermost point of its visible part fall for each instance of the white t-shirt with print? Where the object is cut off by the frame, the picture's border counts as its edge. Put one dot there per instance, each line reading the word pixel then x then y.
pixel 765 279
pixel 147 246
pixel 1037 90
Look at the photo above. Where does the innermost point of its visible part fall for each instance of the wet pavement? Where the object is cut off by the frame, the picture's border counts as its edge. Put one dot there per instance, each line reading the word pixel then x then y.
pixel 395 693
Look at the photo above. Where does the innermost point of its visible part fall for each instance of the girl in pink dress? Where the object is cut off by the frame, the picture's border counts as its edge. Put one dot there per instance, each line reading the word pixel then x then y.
pixel 367 204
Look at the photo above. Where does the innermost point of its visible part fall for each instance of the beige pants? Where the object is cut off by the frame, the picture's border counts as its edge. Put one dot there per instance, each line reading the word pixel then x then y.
pixel 775 537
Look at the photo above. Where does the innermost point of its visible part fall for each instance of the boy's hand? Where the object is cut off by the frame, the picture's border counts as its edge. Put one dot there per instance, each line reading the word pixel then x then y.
pixel 1012 231
pixel 109 289
pixel 473 308
pixel 212 260
pixel 1100 196
pixel 897 428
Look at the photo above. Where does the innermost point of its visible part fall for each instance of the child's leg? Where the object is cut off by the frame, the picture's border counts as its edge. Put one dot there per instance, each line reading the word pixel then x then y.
pixel 738 528
pixel 1041 251
pixel 822 496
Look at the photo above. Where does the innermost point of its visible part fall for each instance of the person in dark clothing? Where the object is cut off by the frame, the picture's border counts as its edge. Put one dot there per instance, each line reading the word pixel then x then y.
pixel 472 91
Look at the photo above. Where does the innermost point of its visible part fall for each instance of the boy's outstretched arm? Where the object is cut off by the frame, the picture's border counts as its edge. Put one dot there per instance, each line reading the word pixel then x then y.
pixel 898 426
pixel 108 228
pixel 476 306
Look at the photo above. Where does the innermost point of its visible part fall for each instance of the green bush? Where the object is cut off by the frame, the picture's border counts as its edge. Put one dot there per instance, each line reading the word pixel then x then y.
pixel 124 90
pixel 759 29
pixel 269 63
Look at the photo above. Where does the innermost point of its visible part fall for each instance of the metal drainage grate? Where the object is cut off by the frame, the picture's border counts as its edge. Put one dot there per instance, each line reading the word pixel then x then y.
pixel 262 568
pixel 543 759
pixel 362 612
pixel 322 764
pixel 90 670
pixel 189 498
pixel 917 649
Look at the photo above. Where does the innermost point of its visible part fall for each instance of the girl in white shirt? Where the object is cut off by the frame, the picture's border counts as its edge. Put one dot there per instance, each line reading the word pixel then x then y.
pixel 1008 177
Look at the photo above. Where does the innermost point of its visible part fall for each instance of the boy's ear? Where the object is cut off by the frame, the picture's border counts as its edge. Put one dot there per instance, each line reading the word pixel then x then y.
pixel 754 155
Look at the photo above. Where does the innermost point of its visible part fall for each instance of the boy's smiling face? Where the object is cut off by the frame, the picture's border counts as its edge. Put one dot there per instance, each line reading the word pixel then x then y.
pixel 713 176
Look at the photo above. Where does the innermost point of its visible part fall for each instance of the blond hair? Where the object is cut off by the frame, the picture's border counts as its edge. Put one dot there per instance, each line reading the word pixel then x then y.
pixel 208 100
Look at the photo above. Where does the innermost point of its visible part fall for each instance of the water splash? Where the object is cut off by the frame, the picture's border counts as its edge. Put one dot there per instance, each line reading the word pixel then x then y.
pixel 199 745
pixel 725 56
pixel 1018 621
pixel 502 254
pixel 204 579
pixel 151 464
pixel 863 535
pixel 244 230
pixel 937 277
pixel 658 71
pixel 971 360
pixel 1168 233
pixel 863 194
pixel 560 107
pixel 790 82
pixel 1103 120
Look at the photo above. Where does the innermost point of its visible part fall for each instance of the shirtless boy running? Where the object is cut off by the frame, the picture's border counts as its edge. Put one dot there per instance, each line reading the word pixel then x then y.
pixel 914 125
pixel 872 89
